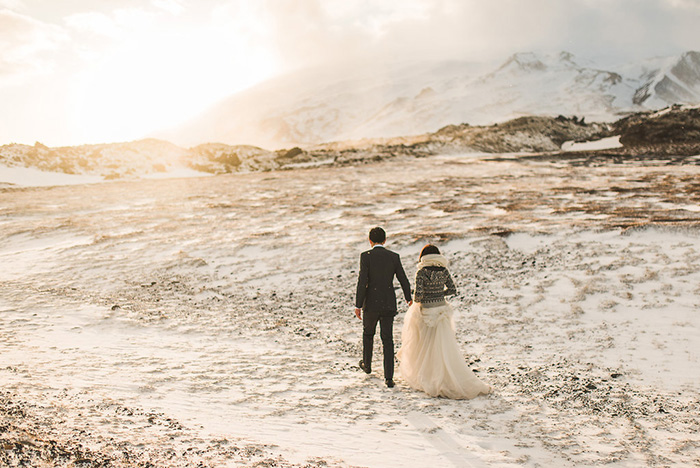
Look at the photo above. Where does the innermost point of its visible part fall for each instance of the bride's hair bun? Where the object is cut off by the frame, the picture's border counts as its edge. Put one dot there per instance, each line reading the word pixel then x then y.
pixel 429 249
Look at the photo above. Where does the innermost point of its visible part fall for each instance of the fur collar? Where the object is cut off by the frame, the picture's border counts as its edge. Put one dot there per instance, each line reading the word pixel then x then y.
pixel 432 260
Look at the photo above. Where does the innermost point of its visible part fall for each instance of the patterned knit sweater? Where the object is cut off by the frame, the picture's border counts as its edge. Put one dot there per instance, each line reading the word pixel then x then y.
pixel 433 281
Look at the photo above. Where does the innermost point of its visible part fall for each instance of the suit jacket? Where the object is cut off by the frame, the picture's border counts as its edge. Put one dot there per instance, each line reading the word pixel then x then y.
pixel 375 284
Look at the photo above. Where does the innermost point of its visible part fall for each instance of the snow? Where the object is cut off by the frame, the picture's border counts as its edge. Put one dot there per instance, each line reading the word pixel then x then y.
pixel 527 243
pixel 225 304
pixel 30 177
pixel 604 143
pixel 322 162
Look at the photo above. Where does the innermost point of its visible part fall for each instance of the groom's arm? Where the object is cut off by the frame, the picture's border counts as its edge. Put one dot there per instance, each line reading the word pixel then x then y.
pixel 362 280
pixel 403 280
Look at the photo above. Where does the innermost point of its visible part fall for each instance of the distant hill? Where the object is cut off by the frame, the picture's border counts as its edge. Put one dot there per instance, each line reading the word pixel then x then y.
pixel 390 100
pixel 672 132
pixel 137 159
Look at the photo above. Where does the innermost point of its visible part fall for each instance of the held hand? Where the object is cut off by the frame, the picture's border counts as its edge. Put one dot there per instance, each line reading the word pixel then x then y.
pixel 358 313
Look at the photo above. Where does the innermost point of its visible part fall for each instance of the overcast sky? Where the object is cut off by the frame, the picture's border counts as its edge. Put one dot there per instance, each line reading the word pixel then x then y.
pixel 87 71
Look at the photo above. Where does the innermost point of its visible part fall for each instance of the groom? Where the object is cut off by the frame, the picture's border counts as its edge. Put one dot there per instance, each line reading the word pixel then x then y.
pixel 376 296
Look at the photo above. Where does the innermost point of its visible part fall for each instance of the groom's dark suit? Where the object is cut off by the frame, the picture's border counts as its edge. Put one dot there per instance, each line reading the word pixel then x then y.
pixel 376 296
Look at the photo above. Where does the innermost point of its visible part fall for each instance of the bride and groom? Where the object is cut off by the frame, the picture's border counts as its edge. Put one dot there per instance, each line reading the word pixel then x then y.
pixel 429 359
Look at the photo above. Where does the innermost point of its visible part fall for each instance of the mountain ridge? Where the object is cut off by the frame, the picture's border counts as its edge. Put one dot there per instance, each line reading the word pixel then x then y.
pixel 397 99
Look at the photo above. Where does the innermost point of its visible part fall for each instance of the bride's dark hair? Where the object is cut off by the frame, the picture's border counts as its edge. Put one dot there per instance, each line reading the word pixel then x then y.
pixel 429 249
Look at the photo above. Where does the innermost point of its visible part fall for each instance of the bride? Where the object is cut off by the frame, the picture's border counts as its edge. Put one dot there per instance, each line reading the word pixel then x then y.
pixel 430 359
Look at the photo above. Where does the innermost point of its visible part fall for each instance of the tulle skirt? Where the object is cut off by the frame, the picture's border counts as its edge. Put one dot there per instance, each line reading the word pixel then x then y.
pixel 430 359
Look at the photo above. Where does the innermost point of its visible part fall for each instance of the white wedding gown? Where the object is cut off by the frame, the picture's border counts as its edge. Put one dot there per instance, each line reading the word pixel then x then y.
pixel 430 359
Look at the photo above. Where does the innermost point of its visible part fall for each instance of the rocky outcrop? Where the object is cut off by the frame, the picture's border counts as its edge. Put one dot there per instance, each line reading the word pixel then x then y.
pixel 218 158
pixel 675 125
pixel 672 134
pixel 113 160
pixel 524 134
pixel 521 135
pixel 138 158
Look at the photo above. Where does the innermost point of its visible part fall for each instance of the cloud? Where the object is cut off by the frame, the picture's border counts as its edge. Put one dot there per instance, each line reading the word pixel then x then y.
pixel 27 46
pixel 174 7
pixel 306 32
pixel 97 34
pixel 684 4
pixel 12 4
pixel 96 23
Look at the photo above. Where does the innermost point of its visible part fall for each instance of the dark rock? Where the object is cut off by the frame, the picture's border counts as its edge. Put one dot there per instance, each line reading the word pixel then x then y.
pixel 296 151
pixel 675 126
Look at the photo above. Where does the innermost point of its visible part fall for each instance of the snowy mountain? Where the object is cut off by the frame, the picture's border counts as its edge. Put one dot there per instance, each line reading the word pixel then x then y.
pixel 388 100
pixel 675 81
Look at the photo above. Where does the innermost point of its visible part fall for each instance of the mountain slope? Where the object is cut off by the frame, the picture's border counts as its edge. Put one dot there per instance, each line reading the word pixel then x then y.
pixel 677 81
pixel 390 100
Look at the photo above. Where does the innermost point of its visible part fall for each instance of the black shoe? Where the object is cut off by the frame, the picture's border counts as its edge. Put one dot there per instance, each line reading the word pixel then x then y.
pixel 367 369
pixel 389 383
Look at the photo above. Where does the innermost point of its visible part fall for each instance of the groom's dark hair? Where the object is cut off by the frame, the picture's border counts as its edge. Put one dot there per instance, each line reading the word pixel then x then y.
pixel 377 235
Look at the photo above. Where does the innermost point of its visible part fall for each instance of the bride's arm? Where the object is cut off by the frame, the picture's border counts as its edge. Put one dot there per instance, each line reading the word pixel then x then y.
pixel 450 288
pixel 419 293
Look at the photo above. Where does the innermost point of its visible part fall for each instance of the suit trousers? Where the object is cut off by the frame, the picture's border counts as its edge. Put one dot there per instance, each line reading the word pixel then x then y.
pixel 386 332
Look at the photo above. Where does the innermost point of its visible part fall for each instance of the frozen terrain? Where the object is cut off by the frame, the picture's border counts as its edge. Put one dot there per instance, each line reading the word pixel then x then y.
pixel 210 320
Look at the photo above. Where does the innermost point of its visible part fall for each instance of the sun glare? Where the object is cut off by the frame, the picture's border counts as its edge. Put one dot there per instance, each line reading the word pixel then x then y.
pixel 161 81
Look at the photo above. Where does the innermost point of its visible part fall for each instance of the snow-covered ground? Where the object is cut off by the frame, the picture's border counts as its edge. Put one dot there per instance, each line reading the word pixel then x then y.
pixel 211 319
pixel 28 176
